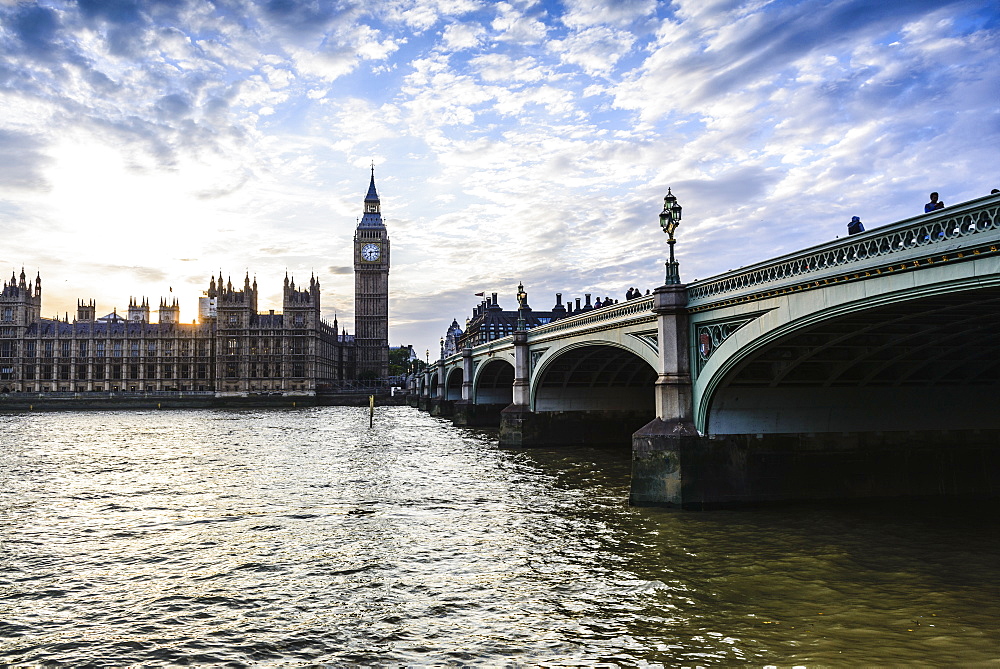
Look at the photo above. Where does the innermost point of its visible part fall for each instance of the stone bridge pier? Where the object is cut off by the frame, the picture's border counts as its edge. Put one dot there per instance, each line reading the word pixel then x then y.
pixel 661 446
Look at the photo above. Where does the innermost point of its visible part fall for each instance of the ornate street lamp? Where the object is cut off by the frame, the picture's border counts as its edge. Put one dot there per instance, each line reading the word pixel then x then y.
pixel 522 300
pixel 670 218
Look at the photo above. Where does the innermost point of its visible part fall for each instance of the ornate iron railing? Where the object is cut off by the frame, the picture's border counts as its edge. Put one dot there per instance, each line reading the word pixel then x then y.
pixel 616 312
pixel 928 230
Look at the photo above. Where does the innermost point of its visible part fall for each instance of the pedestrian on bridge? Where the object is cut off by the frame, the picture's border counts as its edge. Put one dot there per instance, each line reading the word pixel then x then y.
pixel 855 226
pixel 934 204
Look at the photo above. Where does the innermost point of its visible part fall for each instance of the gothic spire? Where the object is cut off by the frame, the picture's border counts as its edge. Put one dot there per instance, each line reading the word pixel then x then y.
pixel 372 195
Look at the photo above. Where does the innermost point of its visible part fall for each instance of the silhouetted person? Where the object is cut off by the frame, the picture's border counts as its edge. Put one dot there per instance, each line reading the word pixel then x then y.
pixel 855 226
pixel 934 204
pixel 995 191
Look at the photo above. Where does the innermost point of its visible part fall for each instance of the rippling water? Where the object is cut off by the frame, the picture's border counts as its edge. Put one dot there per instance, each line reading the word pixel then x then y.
pixel 303 536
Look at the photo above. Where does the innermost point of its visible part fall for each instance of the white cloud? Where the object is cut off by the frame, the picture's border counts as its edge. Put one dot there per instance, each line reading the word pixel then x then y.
pixel 458 36
pixel 587 13
pixel 596 50
pixel 542 134
pixel 495 67
pixel 513 25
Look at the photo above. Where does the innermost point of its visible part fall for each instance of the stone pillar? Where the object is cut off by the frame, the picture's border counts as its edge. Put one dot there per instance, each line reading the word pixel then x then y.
pixel 673 385
pixel 412 391
pixel 463 410
pixel 522 375
pixel 440 405
pixel 515 420
pixel 467 374
pixel 424 401
pixel 658 448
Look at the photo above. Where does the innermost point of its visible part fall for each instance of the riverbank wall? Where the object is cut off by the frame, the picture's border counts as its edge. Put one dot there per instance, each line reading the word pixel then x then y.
pixel 96 401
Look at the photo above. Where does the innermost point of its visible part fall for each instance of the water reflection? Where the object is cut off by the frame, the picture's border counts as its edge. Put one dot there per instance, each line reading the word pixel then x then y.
pixel 301 535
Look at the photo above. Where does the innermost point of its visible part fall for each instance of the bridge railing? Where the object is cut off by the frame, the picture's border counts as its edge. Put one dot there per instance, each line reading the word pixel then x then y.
pixel 616 312
pixel 927 230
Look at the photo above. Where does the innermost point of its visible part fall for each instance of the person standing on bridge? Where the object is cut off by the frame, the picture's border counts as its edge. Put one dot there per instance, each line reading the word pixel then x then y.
pixel 855 226
pixel 934 204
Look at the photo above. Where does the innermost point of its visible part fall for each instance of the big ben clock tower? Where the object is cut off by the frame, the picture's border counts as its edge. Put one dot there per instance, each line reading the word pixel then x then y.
pixel 371 290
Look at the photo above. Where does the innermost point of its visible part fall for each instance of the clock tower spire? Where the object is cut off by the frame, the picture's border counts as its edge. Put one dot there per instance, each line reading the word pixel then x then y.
pixel 371 289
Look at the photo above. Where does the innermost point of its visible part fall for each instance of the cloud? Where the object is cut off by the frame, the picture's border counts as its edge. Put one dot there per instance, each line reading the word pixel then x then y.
pixel 596 50
pixel 458 36
pixel 621 13
pixel 22 161
pixel 496 67
pixel 544 134
pixel 514 25
pixel 36 28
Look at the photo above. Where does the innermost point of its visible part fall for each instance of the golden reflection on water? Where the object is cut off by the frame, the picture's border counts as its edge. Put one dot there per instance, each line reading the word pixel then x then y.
pixel 303 536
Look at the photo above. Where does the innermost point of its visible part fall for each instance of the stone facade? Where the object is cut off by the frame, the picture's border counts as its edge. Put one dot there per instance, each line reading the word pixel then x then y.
pixel 235 351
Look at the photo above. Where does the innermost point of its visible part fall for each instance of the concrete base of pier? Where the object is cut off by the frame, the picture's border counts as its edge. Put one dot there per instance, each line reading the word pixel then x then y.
pixel 520 427
pixel 467 414
pixel 673 466
pixel 439 407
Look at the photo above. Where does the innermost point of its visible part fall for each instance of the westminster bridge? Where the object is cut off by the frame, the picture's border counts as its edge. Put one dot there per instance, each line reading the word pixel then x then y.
pixel 864 367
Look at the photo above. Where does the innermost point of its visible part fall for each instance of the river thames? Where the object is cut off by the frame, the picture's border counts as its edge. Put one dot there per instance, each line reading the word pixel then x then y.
pixel 301 536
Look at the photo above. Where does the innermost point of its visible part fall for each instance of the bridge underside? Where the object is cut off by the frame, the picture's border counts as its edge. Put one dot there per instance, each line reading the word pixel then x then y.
pixel 596 377
pixel 926 364
pixel 893 401
pixel 587 395
pixel 492 392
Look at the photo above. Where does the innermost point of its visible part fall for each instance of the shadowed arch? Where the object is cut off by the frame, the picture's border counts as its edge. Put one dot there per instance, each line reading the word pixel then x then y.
pixel 494 382
pixel 453 386
pixel 930 362
pixel 594 377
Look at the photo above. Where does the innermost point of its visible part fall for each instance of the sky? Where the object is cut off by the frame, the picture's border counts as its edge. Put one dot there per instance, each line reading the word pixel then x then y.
pixel 148 146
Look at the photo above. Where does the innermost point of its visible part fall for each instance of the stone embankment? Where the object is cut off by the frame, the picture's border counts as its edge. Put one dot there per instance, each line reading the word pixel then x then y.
pixel 24 402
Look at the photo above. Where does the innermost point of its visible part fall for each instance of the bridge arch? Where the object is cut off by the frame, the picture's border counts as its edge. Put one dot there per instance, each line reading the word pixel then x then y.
pixel 494 382
pixel 593 375
pixel 850 365
pixel 453 384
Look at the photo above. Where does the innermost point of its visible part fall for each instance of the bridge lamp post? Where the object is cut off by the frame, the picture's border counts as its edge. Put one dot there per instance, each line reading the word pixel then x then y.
pixel 670 219
pixel 522 299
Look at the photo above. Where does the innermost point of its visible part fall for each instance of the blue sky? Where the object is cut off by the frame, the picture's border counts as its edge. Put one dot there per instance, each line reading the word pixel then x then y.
pixel 145 146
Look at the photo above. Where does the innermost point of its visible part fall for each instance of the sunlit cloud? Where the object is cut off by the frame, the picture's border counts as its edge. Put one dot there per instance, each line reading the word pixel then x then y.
pixel 145 147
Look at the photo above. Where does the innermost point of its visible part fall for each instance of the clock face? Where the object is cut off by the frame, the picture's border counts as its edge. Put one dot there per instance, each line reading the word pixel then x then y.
pixel 370 252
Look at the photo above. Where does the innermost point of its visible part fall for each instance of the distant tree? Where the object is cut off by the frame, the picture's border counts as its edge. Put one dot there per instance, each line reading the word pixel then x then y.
pixel 399 360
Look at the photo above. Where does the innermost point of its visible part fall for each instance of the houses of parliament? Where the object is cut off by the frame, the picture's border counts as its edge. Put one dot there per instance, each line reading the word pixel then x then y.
pixel 232 349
